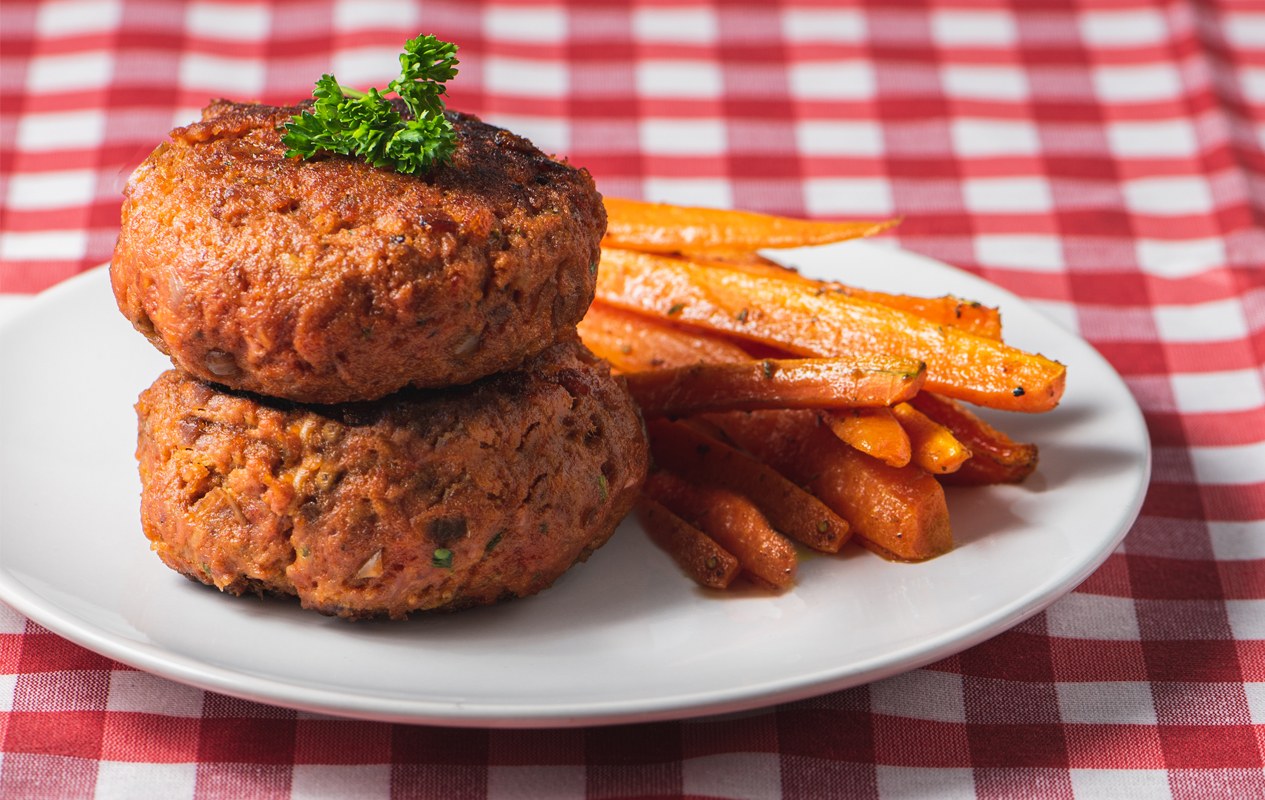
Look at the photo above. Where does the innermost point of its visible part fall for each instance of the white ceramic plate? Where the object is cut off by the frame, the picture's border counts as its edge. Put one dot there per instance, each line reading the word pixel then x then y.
pixel 622 638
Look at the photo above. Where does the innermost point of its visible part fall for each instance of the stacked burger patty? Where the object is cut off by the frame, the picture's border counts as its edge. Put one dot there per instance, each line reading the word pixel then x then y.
pixel 380 402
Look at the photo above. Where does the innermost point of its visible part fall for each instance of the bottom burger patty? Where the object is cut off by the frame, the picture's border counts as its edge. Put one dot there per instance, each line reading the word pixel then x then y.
pixel 421 500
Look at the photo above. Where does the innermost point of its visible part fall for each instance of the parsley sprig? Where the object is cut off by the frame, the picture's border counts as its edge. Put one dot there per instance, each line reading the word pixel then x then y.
pixel 344 120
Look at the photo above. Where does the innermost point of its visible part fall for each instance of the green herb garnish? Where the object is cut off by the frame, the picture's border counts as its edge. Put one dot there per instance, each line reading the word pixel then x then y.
pixel 495 541
pixel 441 558
pixel 364 124
pixel 602 487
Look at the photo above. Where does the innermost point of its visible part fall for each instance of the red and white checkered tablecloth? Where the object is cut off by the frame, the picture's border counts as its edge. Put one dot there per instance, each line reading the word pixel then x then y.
pixel 1104 159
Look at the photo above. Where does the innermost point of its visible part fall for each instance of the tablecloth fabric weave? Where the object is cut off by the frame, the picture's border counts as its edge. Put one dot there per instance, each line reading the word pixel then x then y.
pixel 1104 159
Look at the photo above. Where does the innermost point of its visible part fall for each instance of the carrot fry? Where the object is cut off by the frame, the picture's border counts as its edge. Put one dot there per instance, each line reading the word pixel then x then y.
pixel 793 317
pixel 662 228
pixel 796 383
pixel 874 431
pixel 706 461
pixel 935 449
pixel 896 512
pixel 997 459
pixel 695 552
pixel 635 342
pixel 968 316
pixel 732 520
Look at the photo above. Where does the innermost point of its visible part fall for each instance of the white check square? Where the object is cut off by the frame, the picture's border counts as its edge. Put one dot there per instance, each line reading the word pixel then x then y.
pixel 973 28
pixel 1180 258
pixel 234 22
pixel 1093 616
pixel 1238 541
pixel 925 783
pixel 537 782
pixel 1247 618
pixel 49 74
pixel 1168 197
pixel 1233 466
pixel 831 138
pixel 706 192
pixel 1030 252
pixel 140 692
pixel 61 130
pixel 37 191
pixel 664 78
pixel 1167 139
pixel 1133 28
pixel 77 17
pixel 832 80
pixel 126 780
pixel 526 77
pixel 1244 30
pixel 1007 195
pixel 240 77
pixel 1106 703
pixel 1137 84
pixel 353 15
pixel 741 776
pixel 1217 392
pixel 533 24
pixel 984 83
pixel 1201 322
pixel 984 138
pixel 343 781
pixel 922 694
pixel 683 137
pixel 1115 784
pixel 822 25
pixel 688 25
pixel 848 196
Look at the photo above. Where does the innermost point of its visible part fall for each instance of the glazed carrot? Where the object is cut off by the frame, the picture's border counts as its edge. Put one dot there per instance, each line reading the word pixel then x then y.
pixel 789 316
pixel 997 459
pixel 898 513
pixel 770 383
pixel 874 431
pixel 732 520
pixel 663 228
pixel 636 342
pixel 705 461
pixel 694 551
pixel 935 449
pixel 973 318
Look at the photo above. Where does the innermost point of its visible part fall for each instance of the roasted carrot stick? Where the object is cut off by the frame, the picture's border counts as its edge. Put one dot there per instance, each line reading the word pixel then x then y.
pixel 732 520
pixel 792 317
pixel 662 228
pixel 694 551
pixel 636 342
pixel 997 458
pixel 896 512
pixel 935 448
pixel 971 317
pixel 795 383
pixel 873 431
pixel 708 462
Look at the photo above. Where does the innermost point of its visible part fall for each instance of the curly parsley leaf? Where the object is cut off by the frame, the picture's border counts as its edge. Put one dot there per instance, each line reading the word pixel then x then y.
pixel 364 124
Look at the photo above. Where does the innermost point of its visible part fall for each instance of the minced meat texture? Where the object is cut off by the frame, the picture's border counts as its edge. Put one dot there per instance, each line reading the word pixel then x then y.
pixel 436 499
pixel 330 280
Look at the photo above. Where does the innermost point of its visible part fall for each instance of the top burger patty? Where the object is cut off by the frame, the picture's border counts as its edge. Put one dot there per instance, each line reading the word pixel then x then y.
pixel 331 280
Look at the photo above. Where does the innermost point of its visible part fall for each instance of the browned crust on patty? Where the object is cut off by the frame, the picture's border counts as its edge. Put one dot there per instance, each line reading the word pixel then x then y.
pixel 331 280
pixel 519 475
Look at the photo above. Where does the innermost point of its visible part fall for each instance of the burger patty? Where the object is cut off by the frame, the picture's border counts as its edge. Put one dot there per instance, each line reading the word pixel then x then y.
pixel 329 280
pixel 437 499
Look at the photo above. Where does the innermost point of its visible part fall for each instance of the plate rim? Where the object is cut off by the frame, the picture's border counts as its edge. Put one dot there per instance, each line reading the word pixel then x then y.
pixel 188 670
